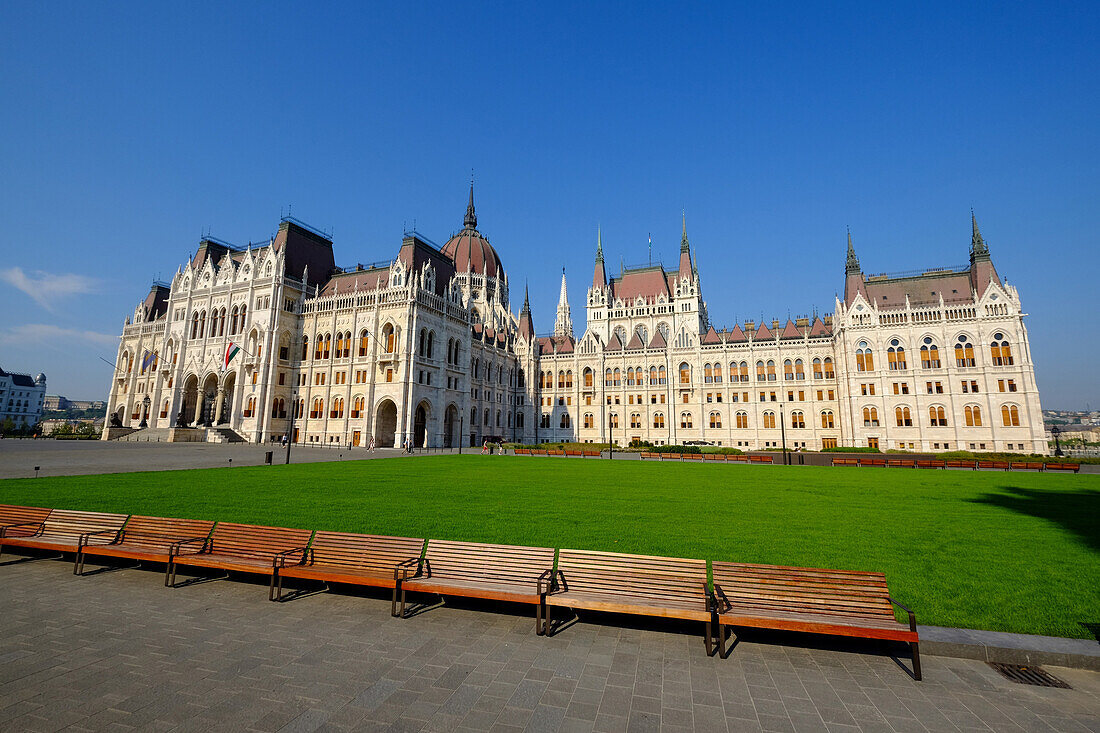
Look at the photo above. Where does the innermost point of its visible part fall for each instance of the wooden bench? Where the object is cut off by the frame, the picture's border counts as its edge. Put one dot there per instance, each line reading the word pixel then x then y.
pixel 592 454
pixel 245 548
pixel 355 559
pixel 1027 466
pixel 476 570
pixel 20 521
pixel 737 458
pixel 522 451
pixel 64 530
pixel 961 464
pixel 760 459
pixel 538 451
pixel 998 465
pixel 663 587
pixel 872 462
pixel 845 461
pixel 555 453
pixel 1075 467
pixel 670 456
pixel 931 463
pixel 651 455
pixel 145 538
pixel 901 463
pixel 693 456
pixel 834 602
pixel 714 456
pixel 574 453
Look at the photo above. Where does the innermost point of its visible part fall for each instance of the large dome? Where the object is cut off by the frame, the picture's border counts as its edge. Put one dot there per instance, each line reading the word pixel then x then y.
pixel 470 251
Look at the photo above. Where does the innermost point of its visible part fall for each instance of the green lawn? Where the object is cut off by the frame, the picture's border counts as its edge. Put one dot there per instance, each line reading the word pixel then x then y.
pixel 988 550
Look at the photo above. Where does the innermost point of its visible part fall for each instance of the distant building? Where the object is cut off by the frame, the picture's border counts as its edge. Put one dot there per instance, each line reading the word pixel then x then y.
pixel 21 398
pixel 59 402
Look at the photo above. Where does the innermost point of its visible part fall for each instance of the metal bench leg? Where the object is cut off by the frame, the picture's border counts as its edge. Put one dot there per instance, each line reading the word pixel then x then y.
pixel 709 638
pixel 538 617
pixel 915 646
pixel 271 587
pixel 78 562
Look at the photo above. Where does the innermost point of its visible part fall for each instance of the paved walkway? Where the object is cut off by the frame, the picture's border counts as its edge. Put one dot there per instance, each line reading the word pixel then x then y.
pixel 118 651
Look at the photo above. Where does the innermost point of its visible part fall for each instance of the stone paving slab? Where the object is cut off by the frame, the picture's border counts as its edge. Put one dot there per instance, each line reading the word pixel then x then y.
pixel 118 651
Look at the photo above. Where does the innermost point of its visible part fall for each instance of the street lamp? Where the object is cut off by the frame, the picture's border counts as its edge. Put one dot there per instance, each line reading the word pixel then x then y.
pixel 145 413
pixel 290 428
pixel 1057 446
pixel 783 432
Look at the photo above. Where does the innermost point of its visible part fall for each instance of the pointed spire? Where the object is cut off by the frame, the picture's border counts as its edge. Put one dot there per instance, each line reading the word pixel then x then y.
pixel 526 301
pixel 852 265
pixel 599 274
pixel 563 323
pixel 470 221
pixel 977 244
pixel 685 270
pixel 599 244
pixel 684 232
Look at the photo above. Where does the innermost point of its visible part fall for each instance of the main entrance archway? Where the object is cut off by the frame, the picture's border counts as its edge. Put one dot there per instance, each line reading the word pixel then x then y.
pixel 385 424
pixel 420 425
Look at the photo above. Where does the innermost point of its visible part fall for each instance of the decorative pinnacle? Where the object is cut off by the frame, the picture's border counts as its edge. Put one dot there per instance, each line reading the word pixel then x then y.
pixel 470 221
pixel 852 265
pixel 977 244
pixel 526 300
pixel 599 244
pixel 684 232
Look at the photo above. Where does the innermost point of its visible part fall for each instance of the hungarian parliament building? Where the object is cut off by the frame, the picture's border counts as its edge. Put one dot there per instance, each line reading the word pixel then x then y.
pixel 276 342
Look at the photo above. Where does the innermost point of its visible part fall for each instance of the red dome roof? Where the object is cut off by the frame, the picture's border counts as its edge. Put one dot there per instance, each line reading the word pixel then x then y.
pixel 471 252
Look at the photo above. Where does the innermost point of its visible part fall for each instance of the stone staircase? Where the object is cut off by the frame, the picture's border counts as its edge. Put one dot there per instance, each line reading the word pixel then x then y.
pixel 223 435
pixel 146 435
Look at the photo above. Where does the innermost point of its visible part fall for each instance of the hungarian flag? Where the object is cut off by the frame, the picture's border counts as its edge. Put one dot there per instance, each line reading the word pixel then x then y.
pixel 150 358
pixel 230 351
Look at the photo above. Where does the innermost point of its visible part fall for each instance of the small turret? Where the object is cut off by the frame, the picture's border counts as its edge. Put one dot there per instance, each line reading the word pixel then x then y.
pixel 853 276
pixel 599 275
pixel 686 270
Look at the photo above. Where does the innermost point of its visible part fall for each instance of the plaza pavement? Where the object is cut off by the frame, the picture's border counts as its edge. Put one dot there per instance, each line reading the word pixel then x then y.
pixel 119 651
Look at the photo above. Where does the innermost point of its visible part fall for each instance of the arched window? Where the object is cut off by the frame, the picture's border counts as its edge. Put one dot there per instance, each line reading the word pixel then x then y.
pixel 964 352
pixel 195 325
pixel 422 341
pixel 630 377
pixel 744 370
pixel 305 347
pixel 486 417
pixel 561 379
pixel 895 356
pixel 937 417
pixel 221 323
pixel 587 377
pixel 300 409
pixel 817 367
pixel 563 421
pixel 607 378
pixel 244 311
pixel 799 371
pixel 661 378
pixel 318 409
pixel 870 417
pixel 685 373
pixel 973 416
pixel 771 371
pixel 708 374
pixel 769 419
pixel 829 373
pixel 431 343
pixel 741 419
pixel 617 380
pixel 717 373
pixel 685 419
pixel 328 345
pixel 865 360
pixel 589 420
pixel 903 418
pixel 202 324
pixel 715 419
pixel 635 420
pixel 827 419
pixel 613 419
pixel 568 378
pixel 519 419
pixel 761 374
pixel 929 354
pixel 1010 416
pixel 653 375
pixel 364 342
pixel 658 419
pixel 1000 351
pixel 233 320
pixel 788 369
pixel 798 420
pixel 388 338
pixel 338 407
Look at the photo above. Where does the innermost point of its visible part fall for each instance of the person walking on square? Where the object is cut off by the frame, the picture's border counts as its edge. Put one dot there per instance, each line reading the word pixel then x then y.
pixel 370 444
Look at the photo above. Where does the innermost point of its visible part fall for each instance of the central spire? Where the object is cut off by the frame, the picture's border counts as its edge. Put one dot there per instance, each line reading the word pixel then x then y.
pixel 684 232
pixel 977 244
pixel 852 264
pixel 470 221
pixel 563 323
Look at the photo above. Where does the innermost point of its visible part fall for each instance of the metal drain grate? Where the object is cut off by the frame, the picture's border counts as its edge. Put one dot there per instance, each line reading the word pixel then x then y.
pixel 1029 675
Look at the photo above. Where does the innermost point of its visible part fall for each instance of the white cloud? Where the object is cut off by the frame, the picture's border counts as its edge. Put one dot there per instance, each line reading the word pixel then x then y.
pixel 30 334
pixel 47 288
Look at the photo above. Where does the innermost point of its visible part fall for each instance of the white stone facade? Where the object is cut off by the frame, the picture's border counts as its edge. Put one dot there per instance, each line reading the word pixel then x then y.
pixel 21 398
pixel 425 348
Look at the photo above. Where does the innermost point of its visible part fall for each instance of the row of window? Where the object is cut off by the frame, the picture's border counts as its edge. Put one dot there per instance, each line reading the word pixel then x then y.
pixel 1000 354
pixel 220 320
pixel 972 416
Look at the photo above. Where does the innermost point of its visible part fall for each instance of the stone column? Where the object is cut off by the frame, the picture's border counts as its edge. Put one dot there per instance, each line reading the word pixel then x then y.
pixel 198 406
pixel 218 403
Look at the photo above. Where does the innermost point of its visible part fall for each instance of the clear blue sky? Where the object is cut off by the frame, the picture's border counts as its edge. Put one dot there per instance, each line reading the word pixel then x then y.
pixel 127 130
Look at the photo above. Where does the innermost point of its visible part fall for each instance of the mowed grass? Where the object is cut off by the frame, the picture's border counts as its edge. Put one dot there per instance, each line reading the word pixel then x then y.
pixel 988 550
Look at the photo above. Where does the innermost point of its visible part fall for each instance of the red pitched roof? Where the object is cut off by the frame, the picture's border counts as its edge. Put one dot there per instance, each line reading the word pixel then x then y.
pixel 635 342
pixel 763 333
pixel 712 337
pixel 790 331
pixel 818 329
pixel 648 283
pixel 658 341
pixel 614 344
pixel 735 335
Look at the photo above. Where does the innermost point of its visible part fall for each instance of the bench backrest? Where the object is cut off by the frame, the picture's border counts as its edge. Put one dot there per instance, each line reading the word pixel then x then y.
pixel 1062 466
pixel 737 457
pixel 592 454
pixel 162 531
pixel 671 456
pixel 491 564
pixel 960 464
pixel 693 456
pixel 522 451
pixel 375 553
pixel 651 455
pixel 760 459
pixel 71 523
pixel 573 453
pixel 10 514
pixel 656 579
pixel 715 456
pixel 251 540
pixel 776 588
